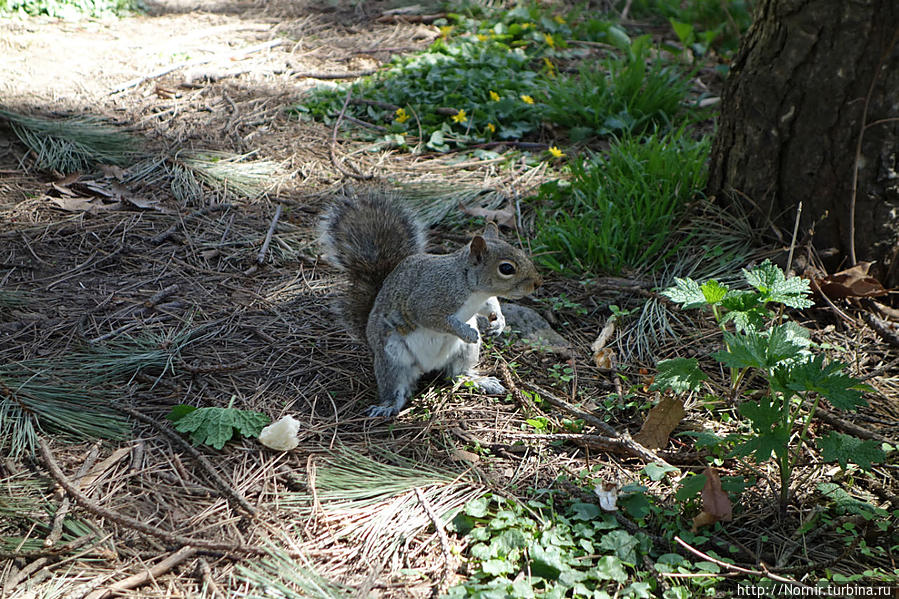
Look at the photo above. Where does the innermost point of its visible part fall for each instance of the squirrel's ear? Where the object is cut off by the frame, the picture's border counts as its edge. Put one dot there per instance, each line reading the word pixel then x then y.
pixel 477 249
pixel 491 231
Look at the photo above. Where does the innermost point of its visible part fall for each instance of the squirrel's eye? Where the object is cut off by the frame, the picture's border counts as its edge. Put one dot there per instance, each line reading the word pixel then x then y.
pixel 507 269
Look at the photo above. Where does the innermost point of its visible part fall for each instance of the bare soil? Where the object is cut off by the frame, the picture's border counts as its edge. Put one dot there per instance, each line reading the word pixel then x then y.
pixel 266 335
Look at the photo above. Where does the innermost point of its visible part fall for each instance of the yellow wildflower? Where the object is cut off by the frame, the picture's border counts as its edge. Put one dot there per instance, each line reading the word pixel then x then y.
pixel 445 30
pixel 550 67
pixel 482 37
pixel 559 19
pixel 491 128
pixel 527 99
pixel 550 41
pixel 556 152
pixel 527 25
pixel 494 96
pixel 401 115
pixel 460 117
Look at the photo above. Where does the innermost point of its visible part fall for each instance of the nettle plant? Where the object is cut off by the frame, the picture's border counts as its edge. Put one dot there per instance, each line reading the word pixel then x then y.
pixel 759 344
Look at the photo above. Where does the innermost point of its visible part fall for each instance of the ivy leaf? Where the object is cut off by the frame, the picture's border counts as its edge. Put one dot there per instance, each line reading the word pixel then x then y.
pixel 623 544
pixel 769 279
pixel 845 449
pixel 679 374
pixel 610 567
pixel 216 426
pixel 686 292
pixel 690 486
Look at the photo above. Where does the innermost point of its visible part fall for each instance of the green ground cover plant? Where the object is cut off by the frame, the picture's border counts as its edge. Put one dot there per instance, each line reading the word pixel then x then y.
pixel 497 78
pixel 617 210
pixel 536 549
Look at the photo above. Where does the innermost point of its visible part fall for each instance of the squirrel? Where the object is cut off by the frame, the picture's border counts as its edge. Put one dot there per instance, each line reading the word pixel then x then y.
pixel 418 311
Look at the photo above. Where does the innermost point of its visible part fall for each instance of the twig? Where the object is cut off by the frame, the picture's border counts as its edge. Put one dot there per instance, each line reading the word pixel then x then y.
pixel 732 567
pixel 196 62
pixel 206 571
pixel 260 257
pixel 220 482
pixel 129 522
pixel 443 585
pixel 137 580
pixel 332 153
pixel 323 76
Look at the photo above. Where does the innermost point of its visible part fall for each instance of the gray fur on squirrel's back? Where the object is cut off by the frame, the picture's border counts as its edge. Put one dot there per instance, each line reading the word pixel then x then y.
pixel 366 235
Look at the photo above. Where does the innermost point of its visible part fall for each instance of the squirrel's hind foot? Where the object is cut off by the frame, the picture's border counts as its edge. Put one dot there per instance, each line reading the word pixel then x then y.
pixel 381 411
pixel 488 385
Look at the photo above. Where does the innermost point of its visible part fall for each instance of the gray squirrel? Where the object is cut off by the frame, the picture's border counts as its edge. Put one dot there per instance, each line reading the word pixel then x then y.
pixel 418 311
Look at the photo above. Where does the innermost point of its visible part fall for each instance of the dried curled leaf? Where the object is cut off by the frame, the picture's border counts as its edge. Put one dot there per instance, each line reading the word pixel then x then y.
pixel 661 420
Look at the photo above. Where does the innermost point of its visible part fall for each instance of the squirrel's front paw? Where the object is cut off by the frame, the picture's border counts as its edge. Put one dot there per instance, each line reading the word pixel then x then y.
pixel 388 411
pixel 469 334
pixel 496 322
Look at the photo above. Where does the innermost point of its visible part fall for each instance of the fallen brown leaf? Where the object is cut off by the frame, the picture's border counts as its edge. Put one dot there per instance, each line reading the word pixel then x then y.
pixel 661 420
pixel 702 519
pixel 851 282
pixel 714 500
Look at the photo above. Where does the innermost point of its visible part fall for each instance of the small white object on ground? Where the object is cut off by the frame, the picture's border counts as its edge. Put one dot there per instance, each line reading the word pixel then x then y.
pixel 281 435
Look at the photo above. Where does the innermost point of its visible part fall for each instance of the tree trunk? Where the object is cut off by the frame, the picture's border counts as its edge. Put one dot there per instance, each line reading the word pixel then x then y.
pixel 814 92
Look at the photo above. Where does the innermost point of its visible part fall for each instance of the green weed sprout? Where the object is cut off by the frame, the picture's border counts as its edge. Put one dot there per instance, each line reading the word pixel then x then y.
pixel 758 344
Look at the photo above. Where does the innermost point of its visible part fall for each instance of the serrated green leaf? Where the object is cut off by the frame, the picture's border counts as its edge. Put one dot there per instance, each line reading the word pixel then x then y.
pixel 685 292
pixel 679 374
pixel 769 279
pixel 690 486
pixel 215 426
pixel 845 449
pixel 763 414
pixel 546 562
pixel 713 292
pixel 847 502
pixel 180 411
pixel 765 349
pixel 817 376
pixel 497 566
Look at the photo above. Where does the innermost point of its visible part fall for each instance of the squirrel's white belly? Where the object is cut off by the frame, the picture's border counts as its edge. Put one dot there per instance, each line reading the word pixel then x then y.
pixel 426 349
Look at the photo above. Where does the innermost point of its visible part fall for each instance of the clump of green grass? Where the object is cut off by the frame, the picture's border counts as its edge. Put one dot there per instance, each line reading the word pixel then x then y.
pixel 619 210
pixel 617 95
pixel 72 144
pixel 68 9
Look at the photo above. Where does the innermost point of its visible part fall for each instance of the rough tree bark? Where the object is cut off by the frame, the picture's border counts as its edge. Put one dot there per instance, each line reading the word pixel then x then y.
pixel 811 80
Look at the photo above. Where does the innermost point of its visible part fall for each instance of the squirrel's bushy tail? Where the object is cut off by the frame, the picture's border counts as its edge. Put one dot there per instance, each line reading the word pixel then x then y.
pixel 366 235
